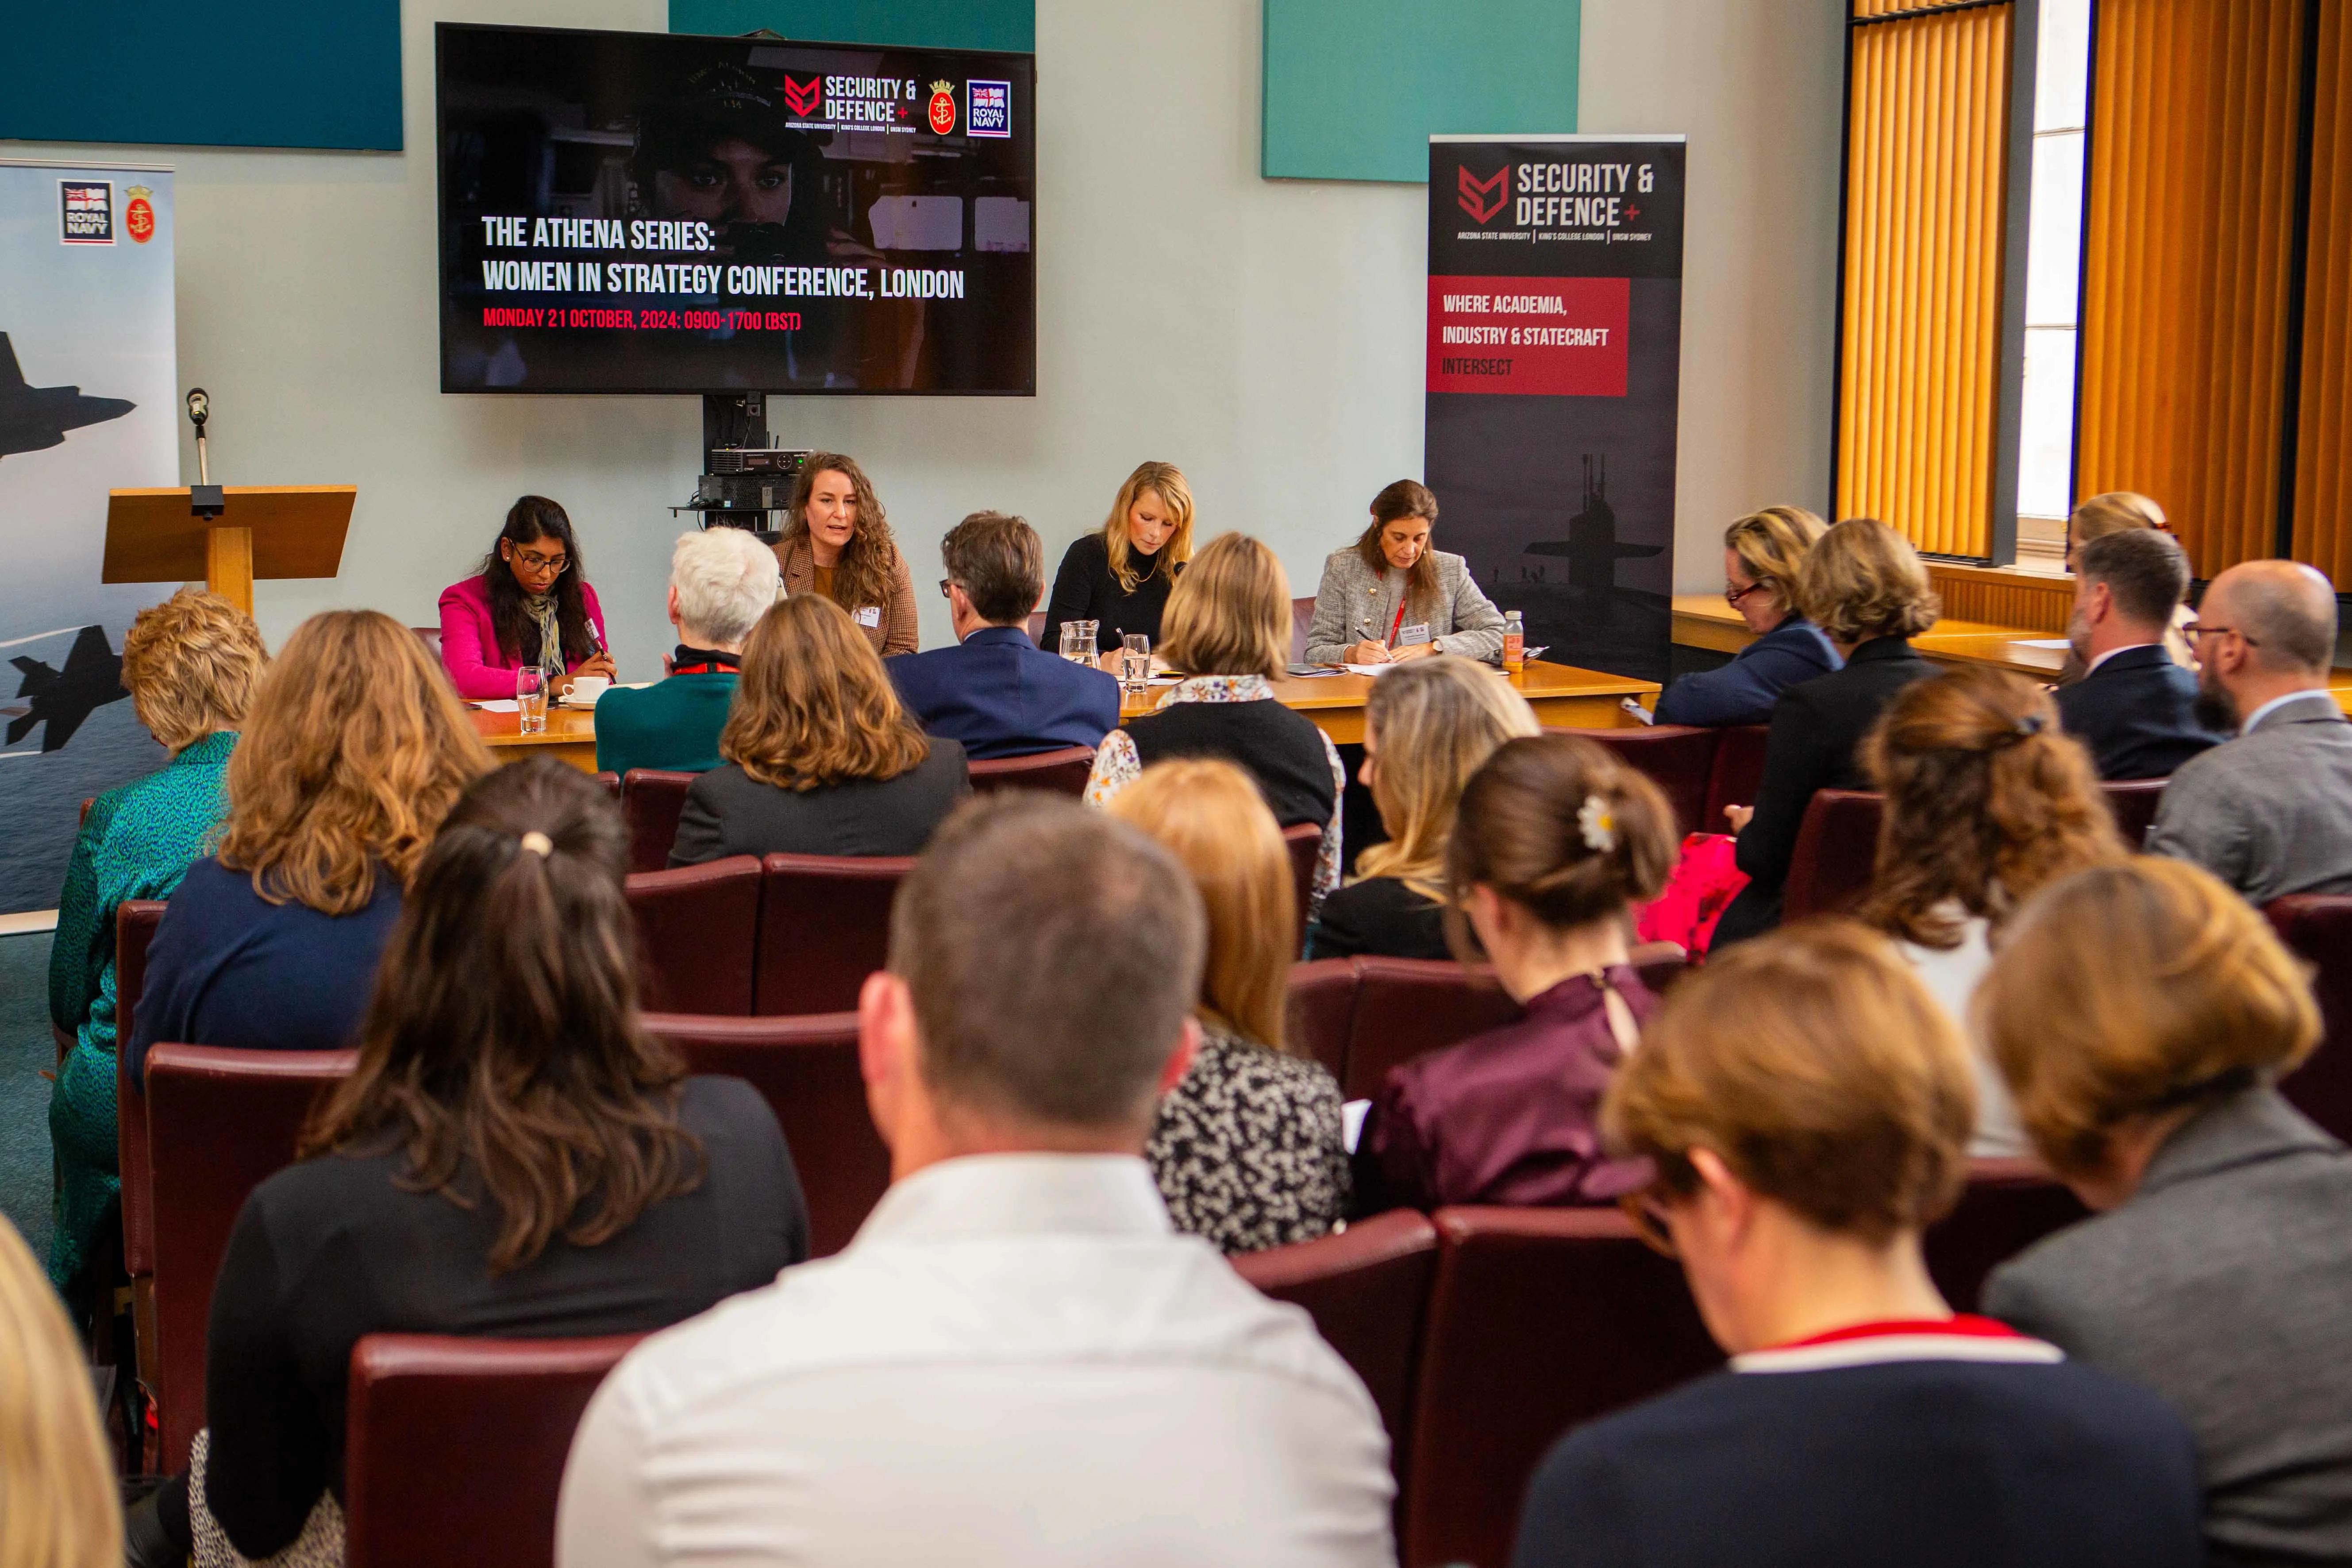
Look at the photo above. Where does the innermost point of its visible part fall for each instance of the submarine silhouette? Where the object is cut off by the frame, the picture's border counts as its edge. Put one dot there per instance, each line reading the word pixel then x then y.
pixel 1592 547
pixel 34 417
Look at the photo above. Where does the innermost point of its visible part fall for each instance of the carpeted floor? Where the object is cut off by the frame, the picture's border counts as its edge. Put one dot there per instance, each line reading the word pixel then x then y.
pixel 26 1051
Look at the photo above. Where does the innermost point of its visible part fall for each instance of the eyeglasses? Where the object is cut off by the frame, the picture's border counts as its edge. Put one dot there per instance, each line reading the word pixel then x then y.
pixel 945 584
pixel 2195 631
pixel 539 563
pixel 1732 595
pixel 1647 1215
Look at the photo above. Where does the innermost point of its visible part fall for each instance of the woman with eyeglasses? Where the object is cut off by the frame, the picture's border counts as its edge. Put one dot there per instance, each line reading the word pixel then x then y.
pixel 529 605
pixel 1762 553
pixel 1804 1104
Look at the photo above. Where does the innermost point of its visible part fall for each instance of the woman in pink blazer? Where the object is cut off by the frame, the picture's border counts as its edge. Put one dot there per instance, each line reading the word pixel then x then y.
pixel 530 605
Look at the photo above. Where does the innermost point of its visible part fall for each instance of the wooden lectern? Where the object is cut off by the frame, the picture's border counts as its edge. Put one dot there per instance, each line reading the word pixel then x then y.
pixel 260 531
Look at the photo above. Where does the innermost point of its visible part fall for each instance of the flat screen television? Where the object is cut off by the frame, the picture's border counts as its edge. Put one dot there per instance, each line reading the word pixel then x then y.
pixel 648 212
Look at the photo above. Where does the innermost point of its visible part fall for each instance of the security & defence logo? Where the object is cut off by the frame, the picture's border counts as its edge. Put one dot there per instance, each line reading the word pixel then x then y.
pixel 943 107
pixel 803 98
pixel 86 215
pixel 1482 199
pixel 988 109
pixel 139 214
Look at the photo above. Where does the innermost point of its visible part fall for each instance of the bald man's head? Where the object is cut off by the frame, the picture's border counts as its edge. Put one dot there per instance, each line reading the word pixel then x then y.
pixel 2282 608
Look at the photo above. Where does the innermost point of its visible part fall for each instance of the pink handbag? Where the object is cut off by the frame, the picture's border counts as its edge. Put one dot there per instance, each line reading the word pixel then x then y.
pixel 1700 888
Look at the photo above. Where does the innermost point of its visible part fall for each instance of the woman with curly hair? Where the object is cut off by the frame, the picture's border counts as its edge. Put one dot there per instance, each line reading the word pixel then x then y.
pixel 190 664
pixel 821 758
pixel 355 750
pixel 1986 804
pixel 836 544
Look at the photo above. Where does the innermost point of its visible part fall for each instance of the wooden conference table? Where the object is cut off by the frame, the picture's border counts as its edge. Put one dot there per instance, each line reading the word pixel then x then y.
pixel 1560 694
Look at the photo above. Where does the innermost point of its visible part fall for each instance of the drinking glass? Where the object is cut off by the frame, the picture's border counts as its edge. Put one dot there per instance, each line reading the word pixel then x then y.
pixel 1078 641
pixel 1135 662
pixel 531 700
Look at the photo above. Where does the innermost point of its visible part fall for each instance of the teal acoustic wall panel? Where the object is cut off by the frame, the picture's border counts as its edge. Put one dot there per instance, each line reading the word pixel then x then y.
pixel 258 73
pixel 1354 89
pixel 909 24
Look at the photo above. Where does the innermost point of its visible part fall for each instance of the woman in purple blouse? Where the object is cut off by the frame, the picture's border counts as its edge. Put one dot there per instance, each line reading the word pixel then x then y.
pixel 1554 840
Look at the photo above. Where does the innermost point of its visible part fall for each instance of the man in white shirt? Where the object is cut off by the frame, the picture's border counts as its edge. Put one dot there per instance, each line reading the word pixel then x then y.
pixel 2270 813
pixel 1017 1361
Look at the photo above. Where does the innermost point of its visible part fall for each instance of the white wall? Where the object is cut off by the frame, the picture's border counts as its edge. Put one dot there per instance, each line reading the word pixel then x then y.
pixel 1263 335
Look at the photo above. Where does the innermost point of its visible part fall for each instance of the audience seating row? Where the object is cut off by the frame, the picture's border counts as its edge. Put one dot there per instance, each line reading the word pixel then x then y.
pixel 1485 1333
pixel 652 798
pixel 794 933
pixel 1701 771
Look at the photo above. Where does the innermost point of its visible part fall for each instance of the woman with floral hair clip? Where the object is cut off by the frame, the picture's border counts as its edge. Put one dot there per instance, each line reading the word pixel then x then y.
pixel 1555 840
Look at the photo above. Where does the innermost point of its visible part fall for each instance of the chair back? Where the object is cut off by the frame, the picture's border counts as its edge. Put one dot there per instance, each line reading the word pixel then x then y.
pixel 1318 1007
pixel 135 920
pixel 698 933
pixel 1305 843
pixel 609 781
pixel 1678 758
pixel 454 1449
pixel 2319 927
pixel 1037 627
pixel 219 1123
pixel 1405 1006
pixel 1302 616
pixel 1659 963
pixel 1064 772
pixel 1539 1319
pixel 2007 1207
pixel 651 799
pixel 2134 802
pixel 1367 1287
pixel 1738 771
pixel 431 637
pixel 1837 847
pixel 824 926
pixel 806 1070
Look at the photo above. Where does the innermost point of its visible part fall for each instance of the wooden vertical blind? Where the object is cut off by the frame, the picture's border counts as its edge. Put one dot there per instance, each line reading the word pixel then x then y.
pixel 1926 135
pixel 2187 248
pixel 2323 491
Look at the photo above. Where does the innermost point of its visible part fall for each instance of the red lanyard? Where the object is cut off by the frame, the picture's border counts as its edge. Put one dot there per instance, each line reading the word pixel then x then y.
pixel 1398 625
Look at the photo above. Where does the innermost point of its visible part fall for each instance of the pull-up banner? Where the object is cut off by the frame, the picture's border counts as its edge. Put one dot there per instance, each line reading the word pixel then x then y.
pixel 1554 347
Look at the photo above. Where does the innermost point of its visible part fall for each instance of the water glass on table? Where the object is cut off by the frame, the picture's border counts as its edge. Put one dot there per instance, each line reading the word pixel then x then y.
pixel 1078 640
pixel 1135 662
pixel 531 700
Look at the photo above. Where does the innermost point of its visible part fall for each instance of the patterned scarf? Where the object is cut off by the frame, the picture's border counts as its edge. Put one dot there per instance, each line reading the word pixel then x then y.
pixel 551 631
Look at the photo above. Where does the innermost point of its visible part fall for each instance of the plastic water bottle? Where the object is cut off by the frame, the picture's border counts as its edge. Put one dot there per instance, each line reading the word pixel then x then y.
pixel 1515 643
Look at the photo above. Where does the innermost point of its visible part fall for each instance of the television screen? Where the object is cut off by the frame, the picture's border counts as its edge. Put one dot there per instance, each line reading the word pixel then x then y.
pixel 645 211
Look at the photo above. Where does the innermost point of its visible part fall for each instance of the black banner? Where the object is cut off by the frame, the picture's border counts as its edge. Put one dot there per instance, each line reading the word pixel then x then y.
pixel 1554 347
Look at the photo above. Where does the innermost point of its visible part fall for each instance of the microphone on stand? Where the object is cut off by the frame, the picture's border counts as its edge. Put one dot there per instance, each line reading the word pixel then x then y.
pixel 204 498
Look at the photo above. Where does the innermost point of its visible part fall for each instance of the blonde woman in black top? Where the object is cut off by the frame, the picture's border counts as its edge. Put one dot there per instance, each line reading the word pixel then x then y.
pixel 1120 574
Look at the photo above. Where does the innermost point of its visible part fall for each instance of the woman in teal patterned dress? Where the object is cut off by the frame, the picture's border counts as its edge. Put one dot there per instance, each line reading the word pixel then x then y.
pixel 190 664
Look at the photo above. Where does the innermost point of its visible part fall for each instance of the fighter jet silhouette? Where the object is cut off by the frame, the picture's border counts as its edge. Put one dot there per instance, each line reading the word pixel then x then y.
pixel 33 417
pixel 93 677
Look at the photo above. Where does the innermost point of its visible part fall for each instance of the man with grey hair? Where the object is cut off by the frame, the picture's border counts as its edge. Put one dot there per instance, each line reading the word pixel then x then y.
pixel 2270 812
pixel 721 581
pixel 1017 1361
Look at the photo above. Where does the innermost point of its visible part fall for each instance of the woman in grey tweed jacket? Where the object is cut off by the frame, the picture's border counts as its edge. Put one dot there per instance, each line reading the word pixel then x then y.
pixel 1391 590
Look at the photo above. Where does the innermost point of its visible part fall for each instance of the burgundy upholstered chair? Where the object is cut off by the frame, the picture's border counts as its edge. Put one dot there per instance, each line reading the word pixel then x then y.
pixel 1305 843
pixel 1678 758
pixel 1064 772
pixel 824 926
pixel 1405 1006
pixel 219 1123
pixel 1539 1319
pixel 806 1070
pixel 431 637
pixel 454 1449
pixel 610 782
pixel 2319 927
pixel 2134 802
pixel 1659 963
pixel 2008 1205
pixel 1738 769
pixel 1367 1287
pixel 1836 846
pixel 1319 1006
pixel 697 934
pixel 1302 616
pixel 1037 627
pixel 651 799
pixel 135 920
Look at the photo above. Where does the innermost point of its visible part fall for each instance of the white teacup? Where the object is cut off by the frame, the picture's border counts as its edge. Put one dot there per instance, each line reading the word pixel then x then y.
pixel 586 688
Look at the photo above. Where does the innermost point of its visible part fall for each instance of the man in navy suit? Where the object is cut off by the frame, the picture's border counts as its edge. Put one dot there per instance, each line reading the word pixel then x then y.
pixel 996 691
pixel 2134 707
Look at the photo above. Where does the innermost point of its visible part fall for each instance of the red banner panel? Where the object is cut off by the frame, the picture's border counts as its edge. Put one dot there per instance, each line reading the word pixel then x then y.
pixel 1555 337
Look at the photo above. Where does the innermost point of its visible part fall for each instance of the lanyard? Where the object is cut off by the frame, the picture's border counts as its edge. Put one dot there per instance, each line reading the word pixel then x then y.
pixel 1397 624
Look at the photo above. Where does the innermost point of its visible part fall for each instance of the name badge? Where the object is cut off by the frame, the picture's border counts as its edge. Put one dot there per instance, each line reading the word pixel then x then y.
pixel 1409 636
pixel 871 616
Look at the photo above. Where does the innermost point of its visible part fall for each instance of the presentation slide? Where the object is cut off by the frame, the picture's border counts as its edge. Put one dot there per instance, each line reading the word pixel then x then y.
pixel 642 212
